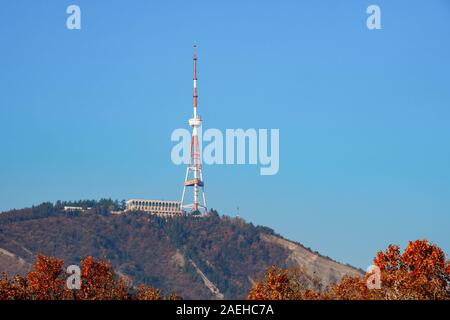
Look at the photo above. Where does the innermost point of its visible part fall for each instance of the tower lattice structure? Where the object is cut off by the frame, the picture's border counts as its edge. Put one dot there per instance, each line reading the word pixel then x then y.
pixel 194 172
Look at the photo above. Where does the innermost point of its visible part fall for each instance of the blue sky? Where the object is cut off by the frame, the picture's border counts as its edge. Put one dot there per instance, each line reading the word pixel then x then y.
pixel 363 114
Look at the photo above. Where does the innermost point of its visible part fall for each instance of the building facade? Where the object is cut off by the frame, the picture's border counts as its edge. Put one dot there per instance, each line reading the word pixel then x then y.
pixel 157 207
pixel 75 209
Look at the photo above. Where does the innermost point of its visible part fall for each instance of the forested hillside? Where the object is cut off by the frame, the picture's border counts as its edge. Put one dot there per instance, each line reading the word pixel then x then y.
pixel 211 257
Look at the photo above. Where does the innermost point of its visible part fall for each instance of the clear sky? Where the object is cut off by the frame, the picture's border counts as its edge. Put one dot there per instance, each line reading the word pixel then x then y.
pixel 363 114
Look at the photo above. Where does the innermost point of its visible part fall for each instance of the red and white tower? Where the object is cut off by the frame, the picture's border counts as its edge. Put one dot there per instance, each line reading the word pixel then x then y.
pixel 194 174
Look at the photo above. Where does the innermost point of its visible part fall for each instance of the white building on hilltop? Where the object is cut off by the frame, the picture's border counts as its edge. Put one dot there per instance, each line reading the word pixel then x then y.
pixel 158 207
pixel 75 209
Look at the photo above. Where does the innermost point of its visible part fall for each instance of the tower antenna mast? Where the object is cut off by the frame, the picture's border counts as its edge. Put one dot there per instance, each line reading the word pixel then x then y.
pixel 194 172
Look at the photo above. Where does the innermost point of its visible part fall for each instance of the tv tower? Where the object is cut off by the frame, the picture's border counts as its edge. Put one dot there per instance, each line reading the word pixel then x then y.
pixel 194 174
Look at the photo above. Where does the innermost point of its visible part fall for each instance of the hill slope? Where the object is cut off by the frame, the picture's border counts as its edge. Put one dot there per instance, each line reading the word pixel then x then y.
pixel 198 258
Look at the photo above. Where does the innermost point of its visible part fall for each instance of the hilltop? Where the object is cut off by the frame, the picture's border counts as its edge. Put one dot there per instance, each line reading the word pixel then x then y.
pixel 198 258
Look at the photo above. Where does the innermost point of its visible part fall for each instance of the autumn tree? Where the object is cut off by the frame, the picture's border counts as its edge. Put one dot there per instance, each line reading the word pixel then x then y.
pixel 144 292
pixel 47 280
pixel 421 272
pixel 98 281
pixel 283 284
pixel 274 287
pixel 13 289
pixel 349 288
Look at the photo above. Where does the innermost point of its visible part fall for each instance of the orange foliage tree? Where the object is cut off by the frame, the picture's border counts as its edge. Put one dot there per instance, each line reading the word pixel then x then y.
pixel 13 289
pixel 48 281
pixel 420 272
pixel 275 287
pixel 98 282
pixel 282 284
